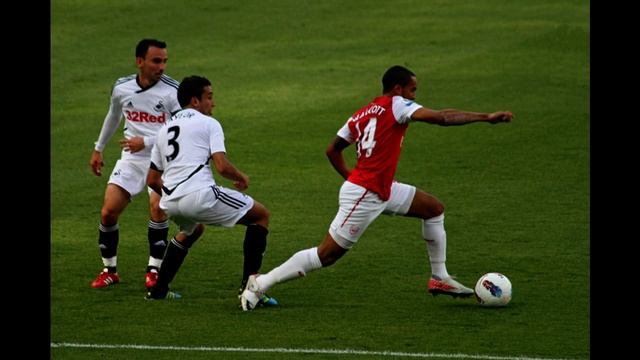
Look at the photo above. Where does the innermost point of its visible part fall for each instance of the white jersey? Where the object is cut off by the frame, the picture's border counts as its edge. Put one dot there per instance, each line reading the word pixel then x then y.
pixel 144 111
pixel 182 152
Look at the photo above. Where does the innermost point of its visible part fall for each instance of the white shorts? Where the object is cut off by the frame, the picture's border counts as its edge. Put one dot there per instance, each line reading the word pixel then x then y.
pixel 359 207
pixel 213 205
pixel 131 175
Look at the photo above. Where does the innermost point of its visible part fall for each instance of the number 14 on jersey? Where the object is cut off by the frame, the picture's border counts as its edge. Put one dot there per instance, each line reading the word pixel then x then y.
pixel 366 138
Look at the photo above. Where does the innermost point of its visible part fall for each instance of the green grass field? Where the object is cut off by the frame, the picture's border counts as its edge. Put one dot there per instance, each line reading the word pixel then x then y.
pixel 286 75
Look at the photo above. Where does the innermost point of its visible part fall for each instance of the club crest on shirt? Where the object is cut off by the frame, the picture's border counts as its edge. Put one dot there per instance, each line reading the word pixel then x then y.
pixel 159 106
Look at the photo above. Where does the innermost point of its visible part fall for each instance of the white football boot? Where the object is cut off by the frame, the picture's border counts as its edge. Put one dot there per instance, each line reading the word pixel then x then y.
pixel 251 295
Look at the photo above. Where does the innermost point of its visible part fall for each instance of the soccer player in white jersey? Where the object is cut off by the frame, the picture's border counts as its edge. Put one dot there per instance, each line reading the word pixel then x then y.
pixel 180 171
pixel 378 129
pixel 146 101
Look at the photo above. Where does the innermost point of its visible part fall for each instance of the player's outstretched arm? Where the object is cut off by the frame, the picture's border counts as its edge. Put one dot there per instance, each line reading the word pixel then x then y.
pixel 452 117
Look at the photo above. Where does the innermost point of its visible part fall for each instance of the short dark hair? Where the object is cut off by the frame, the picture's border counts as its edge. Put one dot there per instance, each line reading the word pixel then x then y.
pixel 144 44
pixel 396 75
pixel 191 86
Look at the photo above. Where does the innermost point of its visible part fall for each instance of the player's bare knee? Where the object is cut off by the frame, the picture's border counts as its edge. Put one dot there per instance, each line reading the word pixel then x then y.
pixel 158 216
pixel 108 217
pixel 436 209
pixel 266 217
pixel 431 207
pixel 262 215
pixel 155 213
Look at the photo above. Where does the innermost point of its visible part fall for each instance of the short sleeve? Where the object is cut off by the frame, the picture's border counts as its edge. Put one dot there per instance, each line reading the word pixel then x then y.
pixel 216 140
pixel 345 133
pixel 403 109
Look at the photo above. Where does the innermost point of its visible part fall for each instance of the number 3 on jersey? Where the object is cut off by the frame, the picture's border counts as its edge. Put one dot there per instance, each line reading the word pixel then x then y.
pixel 173 143
pixel 367 142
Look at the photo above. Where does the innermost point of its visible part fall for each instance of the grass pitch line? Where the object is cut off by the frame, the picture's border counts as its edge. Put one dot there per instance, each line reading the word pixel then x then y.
pixel 296 351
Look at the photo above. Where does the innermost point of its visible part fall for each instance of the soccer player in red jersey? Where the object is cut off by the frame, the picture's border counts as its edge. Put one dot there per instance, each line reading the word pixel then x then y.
pixel 378 129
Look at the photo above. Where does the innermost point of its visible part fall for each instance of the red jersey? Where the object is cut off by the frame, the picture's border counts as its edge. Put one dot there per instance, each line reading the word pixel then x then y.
pixel 378 130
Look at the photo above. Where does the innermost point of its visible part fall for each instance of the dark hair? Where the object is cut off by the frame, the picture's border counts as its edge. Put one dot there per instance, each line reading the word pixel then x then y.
pixel 144 44
pixel 191 86
pixel 396 75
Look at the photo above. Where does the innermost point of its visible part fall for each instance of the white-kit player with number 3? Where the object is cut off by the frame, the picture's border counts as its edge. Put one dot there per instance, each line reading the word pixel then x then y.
pixel 145 100
pixel 378 129
pixel 180 172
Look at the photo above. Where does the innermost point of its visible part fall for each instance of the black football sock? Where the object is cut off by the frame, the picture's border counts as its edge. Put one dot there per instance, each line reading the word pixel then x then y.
pixel 255 243
pixel 108 243
pixel 157 236
pixel 173 259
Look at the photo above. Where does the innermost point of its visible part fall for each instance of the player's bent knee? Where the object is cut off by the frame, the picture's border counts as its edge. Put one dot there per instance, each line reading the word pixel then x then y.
pixel 108 217
pixel 431 209
pixel 438 208
pixel 260 214
pixel 266 215
pixel 158 216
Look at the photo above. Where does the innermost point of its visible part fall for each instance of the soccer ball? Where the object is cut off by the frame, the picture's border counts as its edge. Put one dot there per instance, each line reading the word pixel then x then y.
pixel 493 289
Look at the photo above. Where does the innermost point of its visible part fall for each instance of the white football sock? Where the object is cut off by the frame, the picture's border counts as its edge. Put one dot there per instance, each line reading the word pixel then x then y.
pixel 435 235
pixel 110 262
pixel 155 262
pixel 297 266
